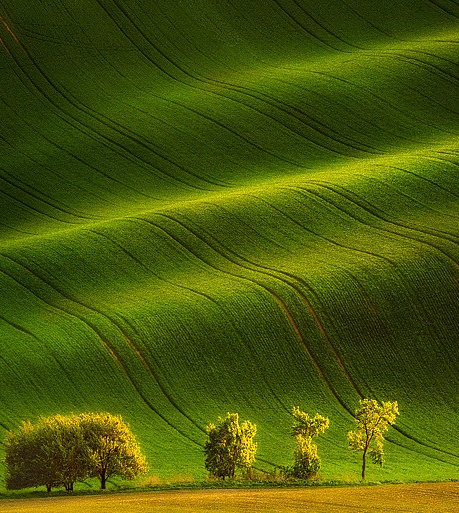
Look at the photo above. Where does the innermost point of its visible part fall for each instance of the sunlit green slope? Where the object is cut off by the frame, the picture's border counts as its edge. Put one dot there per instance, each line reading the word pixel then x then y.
pixel 212 206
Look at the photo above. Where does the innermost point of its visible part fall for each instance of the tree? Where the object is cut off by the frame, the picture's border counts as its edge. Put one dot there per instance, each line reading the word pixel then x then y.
pixel 230 446
pixel 58 451
pixel 23 459
pixel 372 420
pixel 63 450
pixel 307 461
pixel 112 449
pixel 49 453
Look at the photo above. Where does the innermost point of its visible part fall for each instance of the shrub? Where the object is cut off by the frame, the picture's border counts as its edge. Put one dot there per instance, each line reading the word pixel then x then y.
pixel 230 446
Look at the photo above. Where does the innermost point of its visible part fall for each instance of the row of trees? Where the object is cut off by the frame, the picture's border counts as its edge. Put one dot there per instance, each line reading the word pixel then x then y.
pixel 61 450
pixel 58 451
pixel 230 446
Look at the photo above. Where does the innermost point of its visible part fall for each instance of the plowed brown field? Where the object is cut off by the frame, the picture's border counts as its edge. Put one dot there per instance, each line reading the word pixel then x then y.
pixel 413 498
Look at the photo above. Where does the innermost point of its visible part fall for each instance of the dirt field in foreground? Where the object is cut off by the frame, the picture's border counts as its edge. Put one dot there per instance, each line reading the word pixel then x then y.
pixel 413 498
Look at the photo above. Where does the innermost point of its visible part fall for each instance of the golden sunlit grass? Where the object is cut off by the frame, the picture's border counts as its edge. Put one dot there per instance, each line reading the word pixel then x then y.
pixel 419 498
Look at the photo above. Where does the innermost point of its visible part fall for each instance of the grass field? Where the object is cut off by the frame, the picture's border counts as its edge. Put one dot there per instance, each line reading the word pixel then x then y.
pixel 413 498
pixel 210 206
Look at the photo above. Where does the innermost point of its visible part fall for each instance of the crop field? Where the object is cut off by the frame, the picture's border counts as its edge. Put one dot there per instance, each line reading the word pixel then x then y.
pixel 414 498
pixel 212 206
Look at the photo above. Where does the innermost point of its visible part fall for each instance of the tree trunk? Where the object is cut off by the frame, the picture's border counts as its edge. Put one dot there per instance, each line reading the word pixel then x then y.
pixel 364 462
pixel 102 480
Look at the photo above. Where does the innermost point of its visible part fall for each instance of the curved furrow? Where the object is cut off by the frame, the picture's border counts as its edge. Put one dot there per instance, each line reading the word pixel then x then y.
pixel 357 111
pixel 409 231
pixel 314 360
pixel 315 126
pixel 423 208
pixel 431 67
pixel 396 355
pixel 370 23
pixel 422 443
pixel 272 273
pixel 181 286
pixel 366 208
pixel 39 192
pixel 445 9
pixel 290 129
pixel 49 350
pixel 137 138
pixel 413 117
pixel 214 206
pixel 154 375
pixel 75 123
pixel 24 77
pixel 12 33
pixel 26 207
pixel 440 58
pixel 422 241
pixel 304 191
pixel 309 32
pixel 225 84
pixel 177 67
pixel 103 340
pixel 220 82
pixel 190 49
pixel 380 215
pixel 234 132
pixel 325 29
pixel 225 270
pixel 120 148
pixel 170 126
pixel 444 190
pixel 77 158
pixel 431 99
pixel 283 277
pixel 38 197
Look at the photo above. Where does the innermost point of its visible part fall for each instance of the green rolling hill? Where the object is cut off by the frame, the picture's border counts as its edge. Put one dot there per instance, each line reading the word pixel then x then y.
pixel 226 205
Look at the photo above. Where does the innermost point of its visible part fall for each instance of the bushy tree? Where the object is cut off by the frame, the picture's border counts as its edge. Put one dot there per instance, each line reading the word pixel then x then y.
pixel 59 450
pixel 112 449
pixel 372 420
pixel 305 428
pixel 25 465
pixel 63 448
pixel 230 446
pixel 49 453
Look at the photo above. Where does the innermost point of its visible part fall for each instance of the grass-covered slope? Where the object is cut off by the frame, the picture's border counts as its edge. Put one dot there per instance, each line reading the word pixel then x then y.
pixel 212 206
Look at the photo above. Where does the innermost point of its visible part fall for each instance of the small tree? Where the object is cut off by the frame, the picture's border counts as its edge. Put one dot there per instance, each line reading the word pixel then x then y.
pixel 230 446
pixel 112 449
pixel 372 420
pixel 307 461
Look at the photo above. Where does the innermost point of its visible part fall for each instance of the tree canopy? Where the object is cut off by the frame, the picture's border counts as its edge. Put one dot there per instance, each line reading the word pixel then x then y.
pixel 60 450
pixel 111 447
pixel 305 428
pixel 230 446
pixel 372 420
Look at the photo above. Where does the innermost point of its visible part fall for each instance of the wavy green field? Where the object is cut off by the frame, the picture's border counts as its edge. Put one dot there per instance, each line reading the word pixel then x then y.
pixel 233 205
